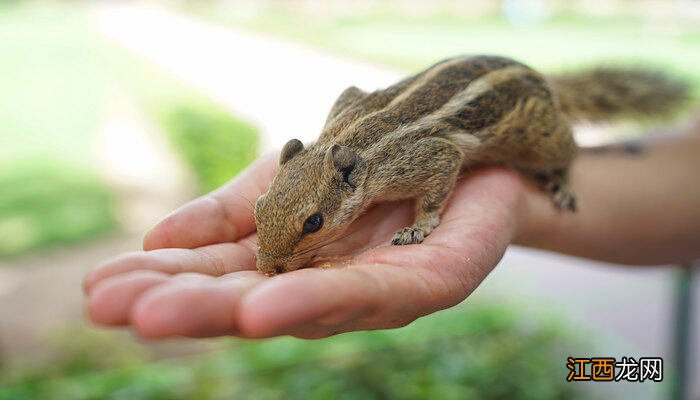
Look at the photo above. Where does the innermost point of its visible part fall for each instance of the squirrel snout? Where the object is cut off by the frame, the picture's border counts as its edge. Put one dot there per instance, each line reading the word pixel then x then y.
pixel 270 269
pixel 274 266
pixel 276 269
pixel 270 266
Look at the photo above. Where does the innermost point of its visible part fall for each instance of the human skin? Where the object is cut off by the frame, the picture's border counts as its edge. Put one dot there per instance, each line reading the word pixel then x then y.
pixel 640 203
pixel 197 277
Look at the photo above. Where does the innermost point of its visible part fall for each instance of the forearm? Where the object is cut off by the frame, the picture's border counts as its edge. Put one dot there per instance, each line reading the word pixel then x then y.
pixel 636 207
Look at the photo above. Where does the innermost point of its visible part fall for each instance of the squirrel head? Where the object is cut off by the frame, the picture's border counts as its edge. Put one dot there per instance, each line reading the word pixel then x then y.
pixel 316 194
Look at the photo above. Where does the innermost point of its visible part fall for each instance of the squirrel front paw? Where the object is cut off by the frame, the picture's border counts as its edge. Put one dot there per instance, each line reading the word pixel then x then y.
pixel 408 235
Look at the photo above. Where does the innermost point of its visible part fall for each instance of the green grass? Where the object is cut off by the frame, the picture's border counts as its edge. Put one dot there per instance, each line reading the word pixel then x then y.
pixel 50 111
pixel 52 82
pixel 46 203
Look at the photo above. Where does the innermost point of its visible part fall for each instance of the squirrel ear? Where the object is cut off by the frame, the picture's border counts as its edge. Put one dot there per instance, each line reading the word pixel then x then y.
pixel 347 163
pixel 290 149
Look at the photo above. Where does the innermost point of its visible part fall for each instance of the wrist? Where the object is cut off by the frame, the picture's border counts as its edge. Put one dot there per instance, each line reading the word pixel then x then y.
pixel 532 216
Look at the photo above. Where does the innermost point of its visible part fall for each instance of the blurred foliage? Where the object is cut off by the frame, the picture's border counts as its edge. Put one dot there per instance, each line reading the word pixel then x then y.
pixel 45 203
pixel 215 145
pixel 76 350
pixel 479 351
pixel 56 74
pixel 49 115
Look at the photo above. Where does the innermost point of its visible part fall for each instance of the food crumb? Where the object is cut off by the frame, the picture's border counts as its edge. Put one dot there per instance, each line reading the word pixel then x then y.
pixel 325 265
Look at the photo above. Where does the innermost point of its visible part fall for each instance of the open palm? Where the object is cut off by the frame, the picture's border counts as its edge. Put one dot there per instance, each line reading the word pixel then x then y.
pixel 197 275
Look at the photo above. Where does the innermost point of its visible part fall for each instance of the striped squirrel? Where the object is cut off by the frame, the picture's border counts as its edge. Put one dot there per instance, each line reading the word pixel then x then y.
pixel 413 139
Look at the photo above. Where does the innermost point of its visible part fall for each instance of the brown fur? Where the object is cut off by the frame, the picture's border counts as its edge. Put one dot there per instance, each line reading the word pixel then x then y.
pixel 604 93
pixel 413 139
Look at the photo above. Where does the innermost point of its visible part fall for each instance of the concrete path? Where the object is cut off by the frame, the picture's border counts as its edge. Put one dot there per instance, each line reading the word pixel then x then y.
pixel 285 88
pixel 135 159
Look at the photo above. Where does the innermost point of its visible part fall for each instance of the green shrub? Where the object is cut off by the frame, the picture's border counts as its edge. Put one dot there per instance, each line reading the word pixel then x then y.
pixel 477 351
pixel 215 145
pixel 481 352
pixel 46 203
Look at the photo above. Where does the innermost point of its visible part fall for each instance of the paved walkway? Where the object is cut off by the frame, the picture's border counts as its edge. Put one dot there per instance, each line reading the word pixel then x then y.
pixel 135 159
pixel 284 87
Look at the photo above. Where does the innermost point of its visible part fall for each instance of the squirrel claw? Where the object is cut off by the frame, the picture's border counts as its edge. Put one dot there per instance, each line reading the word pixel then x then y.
pixel 564 200
pixel 408 235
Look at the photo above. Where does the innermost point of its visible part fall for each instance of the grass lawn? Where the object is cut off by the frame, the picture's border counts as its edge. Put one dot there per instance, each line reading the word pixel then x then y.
pixel 51 84
pixel 50 111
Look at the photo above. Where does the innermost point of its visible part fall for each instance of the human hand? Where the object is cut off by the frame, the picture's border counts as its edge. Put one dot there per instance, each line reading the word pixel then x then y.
pixel 197 276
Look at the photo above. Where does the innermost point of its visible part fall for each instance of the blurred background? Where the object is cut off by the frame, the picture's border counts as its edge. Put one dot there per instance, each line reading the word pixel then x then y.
pixel 114 113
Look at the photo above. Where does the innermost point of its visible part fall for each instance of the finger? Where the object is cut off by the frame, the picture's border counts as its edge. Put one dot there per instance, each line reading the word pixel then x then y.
pixel 483 208
pixel 111 300
pixel 224 215
pixel 197 307
pixel 322 330
pixel 215 260
pixel 371 294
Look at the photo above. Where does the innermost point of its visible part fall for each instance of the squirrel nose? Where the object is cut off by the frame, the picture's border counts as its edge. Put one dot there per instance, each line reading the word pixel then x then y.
pixel 274 270
pixel 269 265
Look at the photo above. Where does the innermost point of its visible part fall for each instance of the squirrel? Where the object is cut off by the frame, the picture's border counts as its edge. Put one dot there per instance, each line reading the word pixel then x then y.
pixel 413 139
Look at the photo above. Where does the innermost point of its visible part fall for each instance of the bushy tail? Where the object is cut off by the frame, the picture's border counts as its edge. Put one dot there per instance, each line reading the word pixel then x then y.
pixel 609 92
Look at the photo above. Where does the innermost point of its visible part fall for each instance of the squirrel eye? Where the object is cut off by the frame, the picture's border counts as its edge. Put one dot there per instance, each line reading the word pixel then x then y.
pixel 313 224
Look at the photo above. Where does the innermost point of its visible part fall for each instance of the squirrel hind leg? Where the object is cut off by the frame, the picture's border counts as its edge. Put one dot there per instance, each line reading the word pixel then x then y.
pixel 443 171
pixel 556 182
